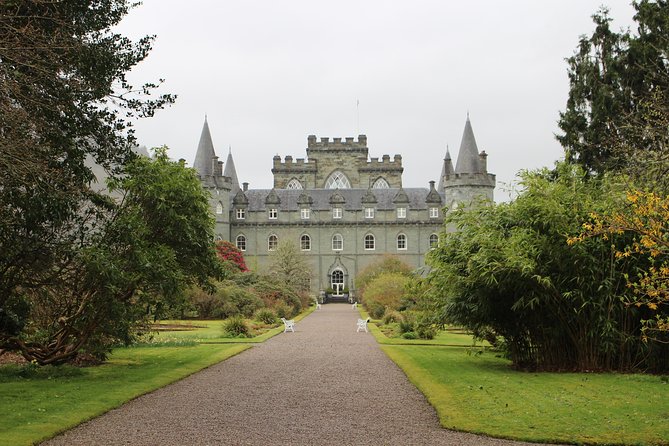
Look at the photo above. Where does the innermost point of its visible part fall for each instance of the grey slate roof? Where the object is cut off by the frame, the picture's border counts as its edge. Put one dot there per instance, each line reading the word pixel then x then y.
pixel 468 156
pixel 446 169
pixel 231 172
pixel 205 152
pixel 321 198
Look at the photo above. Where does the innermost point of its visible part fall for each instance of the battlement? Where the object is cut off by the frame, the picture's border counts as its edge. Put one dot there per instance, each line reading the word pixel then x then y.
pixel 298 164
pixel 348 143
pixel 384 164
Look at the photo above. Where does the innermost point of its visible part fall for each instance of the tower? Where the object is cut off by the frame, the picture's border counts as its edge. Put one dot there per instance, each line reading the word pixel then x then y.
pixel 470 180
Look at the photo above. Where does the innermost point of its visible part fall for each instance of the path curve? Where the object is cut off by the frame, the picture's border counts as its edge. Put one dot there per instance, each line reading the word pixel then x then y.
pixel 323 384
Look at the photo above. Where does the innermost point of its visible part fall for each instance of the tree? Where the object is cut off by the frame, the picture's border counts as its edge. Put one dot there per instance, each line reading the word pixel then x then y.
pixel 612 78
pixel 231 255
pixel 387 264
pixel 290 267
pixel 508 269
pixel 139 252
pixel 646 218
pixel 63 97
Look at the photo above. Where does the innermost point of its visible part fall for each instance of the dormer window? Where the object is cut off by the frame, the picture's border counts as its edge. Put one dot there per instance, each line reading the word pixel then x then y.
pixel 273 213
pixel 369 212
pixel 337 212
pixel 401 212
pixel 305 213
pixel 337 181
pixel 434 212
pixel 241 214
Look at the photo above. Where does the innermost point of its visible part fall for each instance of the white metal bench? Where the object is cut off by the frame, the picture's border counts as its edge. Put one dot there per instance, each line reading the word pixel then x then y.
pixel 355 305
pixel 318 304
pixel 288 324
pixel 362 324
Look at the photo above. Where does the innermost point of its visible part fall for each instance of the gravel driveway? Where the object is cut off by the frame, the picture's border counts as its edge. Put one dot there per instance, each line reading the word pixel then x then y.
pixel 324 384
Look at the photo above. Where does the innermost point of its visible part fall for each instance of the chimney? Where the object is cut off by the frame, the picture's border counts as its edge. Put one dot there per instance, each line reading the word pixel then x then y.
pixel 245 186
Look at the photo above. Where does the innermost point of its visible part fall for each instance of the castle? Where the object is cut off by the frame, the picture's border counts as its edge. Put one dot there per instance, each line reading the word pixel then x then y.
pixel 342 209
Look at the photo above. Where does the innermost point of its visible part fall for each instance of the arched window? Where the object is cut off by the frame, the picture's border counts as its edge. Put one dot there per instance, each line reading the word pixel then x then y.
pixel 294 184
pixel 380 183
pixel 370 242
pixel 337 181
pixel 434 241
pixel 219 208
pixel 272 242
pixel 305 243
pixel 241 242
pixel 401 242
pixel 337 242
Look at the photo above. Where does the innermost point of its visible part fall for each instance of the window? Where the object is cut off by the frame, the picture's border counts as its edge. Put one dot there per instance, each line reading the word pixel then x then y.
pixel 401 212
pixel 434 241
pixel 305 213
pixel 241 242
pixel 305 243
pixel 402 242
pixel 272 242
pixel 369 212
pixel 219 208
pixel 337 181
pixel 337 281
pixel 294 184
pixel 336 212
pixel 337 242
pixel 380 184
pixel 434 212
pixel 369 242
pixel 273 213
pixel 241 214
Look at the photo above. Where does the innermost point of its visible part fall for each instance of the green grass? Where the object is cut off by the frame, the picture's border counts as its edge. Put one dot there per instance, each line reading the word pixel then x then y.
pixel 38 404
pixel 480 393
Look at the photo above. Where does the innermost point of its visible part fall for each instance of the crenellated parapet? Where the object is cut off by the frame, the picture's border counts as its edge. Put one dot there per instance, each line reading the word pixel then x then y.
pixel 289 165
pixel 325 143
pixel 384 165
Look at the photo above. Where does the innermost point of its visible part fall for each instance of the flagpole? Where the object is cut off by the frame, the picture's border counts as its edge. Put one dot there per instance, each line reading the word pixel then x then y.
pixel 357 122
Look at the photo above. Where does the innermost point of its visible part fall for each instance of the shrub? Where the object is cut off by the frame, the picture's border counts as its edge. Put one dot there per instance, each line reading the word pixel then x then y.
pixel 425 331
pixel 376 310
pixel 236 327
pixel 410 335
pixel 386 290
pixel 266 316
pixel 388 264
pixel 283 310
pixel 406 325
pixel 392 316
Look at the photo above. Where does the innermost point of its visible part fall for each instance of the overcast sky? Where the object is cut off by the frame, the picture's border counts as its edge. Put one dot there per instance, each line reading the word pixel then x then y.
pixel 267 73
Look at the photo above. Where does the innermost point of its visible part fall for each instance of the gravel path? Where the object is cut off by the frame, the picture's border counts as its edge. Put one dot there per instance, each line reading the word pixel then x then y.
pixel 323 384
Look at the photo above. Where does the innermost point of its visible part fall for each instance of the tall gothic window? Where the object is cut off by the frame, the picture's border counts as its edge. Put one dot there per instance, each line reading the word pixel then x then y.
pixel 219 208
pixel 380 183
pixel 294 184
pixel 337 181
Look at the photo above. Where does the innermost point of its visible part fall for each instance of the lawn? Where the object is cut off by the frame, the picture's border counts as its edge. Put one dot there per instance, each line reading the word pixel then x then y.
pixel 39 403
pixel 480 393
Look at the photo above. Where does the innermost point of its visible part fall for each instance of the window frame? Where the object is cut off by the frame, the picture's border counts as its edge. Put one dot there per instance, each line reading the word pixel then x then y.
pixel 305 242
pixel 305 213
pixel 272 213
pixel 240 214
pixel 369 212
pixel 433 241
pixel 401 212
pixel 340 239
pixel 337 212
pixel 240 242
pixel 369 242
pixel 401 238
pixel 434 212
pixel 272 242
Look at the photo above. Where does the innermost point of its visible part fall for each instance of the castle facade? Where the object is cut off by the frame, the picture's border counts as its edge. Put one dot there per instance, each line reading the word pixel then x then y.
pixel 341 208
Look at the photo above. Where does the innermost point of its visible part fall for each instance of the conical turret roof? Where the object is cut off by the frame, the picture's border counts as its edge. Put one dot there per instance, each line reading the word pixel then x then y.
pixel 446 168
pixel 231 172
pixel 468 156
pixel 205 152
